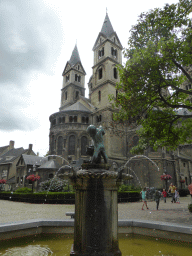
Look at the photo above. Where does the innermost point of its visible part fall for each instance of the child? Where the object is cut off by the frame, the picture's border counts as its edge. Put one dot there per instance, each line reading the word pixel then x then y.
pixel 143 195
pixel 177 196
pixel 164 193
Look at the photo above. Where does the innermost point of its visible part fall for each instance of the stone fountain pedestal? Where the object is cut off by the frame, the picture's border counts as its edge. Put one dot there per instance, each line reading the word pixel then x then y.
pixel 96 213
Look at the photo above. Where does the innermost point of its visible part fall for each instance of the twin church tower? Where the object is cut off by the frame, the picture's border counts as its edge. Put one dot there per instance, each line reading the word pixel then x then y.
pixel 68 136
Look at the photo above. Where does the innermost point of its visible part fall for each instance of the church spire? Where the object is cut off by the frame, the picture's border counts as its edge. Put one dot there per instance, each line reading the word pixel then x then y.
pixel 75 58
pixel 107 28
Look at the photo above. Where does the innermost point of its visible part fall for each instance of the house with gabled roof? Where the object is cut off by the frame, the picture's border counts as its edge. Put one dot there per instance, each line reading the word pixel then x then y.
pixel 8 161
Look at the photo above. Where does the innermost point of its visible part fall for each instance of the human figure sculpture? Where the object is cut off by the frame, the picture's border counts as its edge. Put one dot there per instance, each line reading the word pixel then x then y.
pixel 99 149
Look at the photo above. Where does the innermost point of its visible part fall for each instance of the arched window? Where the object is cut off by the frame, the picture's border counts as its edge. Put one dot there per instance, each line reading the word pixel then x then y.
pixel 65 95
pixel 99 96
pixel 71 148
pixel 100 73
pixel 115 73
pixel 84 143
pixel 76 95
pixel 75 119
pixel 60 145
pixel 71 119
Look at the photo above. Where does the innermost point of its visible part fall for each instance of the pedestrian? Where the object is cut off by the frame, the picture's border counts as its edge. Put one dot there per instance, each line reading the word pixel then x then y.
pixel 172 189
pixel 164 193
pixel 177 196
pixel 157 198
pixel 143 195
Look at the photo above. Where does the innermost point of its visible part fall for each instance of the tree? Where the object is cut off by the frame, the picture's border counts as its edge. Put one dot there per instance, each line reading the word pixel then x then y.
pixel 159 62
pixel 33 178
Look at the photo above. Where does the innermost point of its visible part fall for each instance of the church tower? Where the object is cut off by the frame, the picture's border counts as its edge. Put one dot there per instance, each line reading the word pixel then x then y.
pixel 107 54
pixel 73 80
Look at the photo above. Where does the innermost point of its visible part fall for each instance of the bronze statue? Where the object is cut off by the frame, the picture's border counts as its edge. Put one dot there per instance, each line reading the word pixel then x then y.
pixel 99 149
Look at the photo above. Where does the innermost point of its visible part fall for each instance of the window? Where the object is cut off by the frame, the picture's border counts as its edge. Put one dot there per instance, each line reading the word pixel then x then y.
pixel 71 119
pixel 183 164
pixel 71 149
pixel 76 95
pixel 60 145
pixel 100 73
pixel 63 119
pixel 186 87
pixel 87 120
pixel 77 78
pixel 83 119
pixel 113 52
pixel 65 95
pixel 78 67
pixel 101 53
pixel 98 118
pixel 99 96
pixel 83 145
pixel 189 86
pixel 75 119
pixel 115 73
pixel 67 78
pixel 186 182
pixel 54 122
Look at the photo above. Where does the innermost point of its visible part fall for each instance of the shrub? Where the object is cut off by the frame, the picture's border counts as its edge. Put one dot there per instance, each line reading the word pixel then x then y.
pixel 123 188
pixel 183 192
pixel 53 185
pixel 190 207
pixel 24 190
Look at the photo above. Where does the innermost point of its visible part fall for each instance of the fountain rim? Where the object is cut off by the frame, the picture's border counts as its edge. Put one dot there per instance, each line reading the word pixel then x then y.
pixel 150 228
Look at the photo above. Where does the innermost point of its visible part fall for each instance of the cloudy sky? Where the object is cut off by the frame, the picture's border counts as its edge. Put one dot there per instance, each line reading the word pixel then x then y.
pixel 37 38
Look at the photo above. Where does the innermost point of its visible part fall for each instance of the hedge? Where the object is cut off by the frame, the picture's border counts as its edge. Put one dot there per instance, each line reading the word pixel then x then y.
pixel 40 198
pixel 128 196
pixel 60 197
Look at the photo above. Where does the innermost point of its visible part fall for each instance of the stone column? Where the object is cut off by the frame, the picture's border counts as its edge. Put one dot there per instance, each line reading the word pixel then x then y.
pixel 96 215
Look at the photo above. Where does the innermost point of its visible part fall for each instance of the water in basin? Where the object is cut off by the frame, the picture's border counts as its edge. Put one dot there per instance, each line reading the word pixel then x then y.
pixel 60 245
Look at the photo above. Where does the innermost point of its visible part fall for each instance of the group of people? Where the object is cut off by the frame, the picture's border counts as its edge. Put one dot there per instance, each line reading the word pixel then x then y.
pixel 172 189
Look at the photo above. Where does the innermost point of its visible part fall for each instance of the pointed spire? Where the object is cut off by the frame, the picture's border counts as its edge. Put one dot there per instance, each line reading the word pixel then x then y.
pixel 75 58
pixel 107 28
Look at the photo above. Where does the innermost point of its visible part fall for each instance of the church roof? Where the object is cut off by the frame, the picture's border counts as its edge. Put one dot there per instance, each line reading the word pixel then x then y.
pixel 76 107
pixel 75 58
pixel 107 28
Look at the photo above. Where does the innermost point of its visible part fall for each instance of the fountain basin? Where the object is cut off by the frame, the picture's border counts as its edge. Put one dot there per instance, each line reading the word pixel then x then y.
pixel 147 228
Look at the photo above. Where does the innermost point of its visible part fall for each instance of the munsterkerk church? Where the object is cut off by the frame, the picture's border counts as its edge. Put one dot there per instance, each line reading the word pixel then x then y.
pixel 68 136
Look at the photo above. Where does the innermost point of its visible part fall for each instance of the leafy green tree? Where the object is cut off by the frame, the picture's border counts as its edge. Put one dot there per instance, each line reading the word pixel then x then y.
pixel 159 62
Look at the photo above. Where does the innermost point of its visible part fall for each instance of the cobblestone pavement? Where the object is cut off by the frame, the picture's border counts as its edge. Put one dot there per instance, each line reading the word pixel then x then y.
pixel 11 212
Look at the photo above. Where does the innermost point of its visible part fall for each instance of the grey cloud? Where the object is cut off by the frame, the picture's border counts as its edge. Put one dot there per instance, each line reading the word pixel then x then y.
pixel 30 39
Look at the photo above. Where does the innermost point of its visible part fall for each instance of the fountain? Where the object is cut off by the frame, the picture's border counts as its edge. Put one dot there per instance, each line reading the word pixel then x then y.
pixel 96 219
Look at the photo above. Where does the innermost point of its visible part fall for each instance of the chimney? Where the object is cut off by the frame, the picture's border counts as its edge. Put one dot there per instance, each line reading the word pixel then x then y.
pixel 11 144
pixel 30 147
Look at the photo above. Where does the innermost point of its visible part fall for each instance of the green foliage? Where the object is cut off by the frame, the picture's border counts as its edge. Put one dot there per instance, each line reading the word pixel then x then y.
pixel 54 185
pixel 123 188
pixel 40 198
pixel 149 93
pixel 24 190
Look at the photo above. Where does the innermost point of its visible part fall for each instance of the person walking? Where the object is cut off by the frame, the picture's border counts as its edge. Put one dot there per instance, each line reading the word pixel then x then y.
pixel 164 193
pixel 143 195
pixel 172 189
pixel 157 198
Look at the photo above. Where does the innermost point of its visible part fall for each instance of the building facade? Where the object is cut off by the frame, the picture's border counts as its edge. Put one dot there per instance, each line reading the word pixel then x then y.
pixel 68 137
